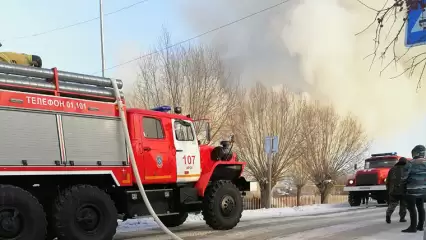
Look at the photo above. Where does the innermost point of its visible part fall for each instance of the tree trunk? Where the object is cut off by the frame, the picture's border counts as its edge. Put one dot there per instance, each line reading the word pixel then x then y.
pixel 298 193
pixel 324 197
pixel 264 196
pixel 324 189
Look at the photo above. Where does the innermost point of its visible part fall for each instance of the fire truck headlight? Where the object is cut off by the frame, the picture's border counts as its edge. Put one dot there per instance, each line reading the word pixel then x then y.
pixel 351 182
pixel 384 180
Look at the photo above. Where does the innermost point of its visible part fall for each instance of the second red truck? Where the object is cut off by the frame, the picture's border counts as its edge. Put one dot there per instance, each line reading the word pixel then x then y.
pixel 371 181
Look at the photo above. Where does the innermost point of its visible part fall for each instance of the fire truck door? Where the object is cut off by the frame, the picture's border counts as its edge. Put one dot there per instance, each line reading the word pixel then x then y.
pixel 188 163
pixel 155 151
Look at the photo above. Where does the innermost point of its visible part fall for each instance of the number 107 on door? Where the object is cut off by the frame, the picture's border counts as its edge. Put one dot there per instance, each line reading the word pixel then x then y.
pixel 189 159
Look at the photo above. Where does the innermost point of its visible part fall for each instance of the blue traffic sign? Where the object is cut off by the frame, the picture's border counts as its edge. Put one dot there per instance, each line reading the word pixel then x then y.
pixel 271 144
pixel 275 144
pixel 415 31
pixel 268 143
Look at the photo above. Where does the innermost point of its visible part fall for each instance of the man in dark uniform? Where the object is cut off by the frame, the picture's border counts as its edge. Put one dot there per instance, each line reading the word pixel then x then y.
pixel 21 59
pixel 396 191
pixel 414 179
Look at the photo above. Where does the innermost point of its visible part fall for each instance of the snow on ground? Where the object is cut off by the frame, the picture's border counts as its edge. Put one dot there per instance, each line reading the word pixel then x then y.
pixel 132 225
pixel 395 234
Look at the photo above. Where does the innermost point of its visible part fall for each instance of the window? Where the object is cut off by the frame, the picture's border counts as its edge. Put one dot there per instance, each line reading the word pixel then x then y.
pixel 152 128
pixel 380 163
pixel 183 131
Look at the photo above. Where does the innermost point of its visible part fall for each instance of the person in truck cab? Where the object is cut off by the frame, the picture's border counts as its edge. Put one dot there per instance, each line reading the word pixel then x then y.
pixel 396 191
pixel 21 59
pixel 414 180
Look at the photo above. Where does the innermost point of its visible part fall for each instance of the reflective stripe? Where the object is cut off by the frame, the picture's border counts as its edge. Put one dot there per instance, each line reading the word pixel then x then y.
pixel 364 188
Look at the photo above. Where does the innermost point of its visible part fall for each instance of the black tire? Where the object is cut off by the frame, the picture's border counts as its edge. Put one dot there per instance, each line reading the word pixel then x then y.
pixel 174 220
pixel 354 199
pixel 226 194
pixel 381 201
pixel 84 201
pixel 47 204
pixel 29 221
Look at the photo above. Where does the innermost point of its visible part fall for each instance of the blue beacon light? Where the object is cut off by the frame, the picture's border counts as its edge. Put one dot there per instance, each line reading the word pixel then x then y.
pixel 162 108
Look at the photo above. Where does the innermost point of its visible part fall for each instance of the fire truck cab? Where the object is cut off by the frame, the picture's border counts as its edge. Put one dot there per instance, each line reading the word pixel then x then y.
pixel 371 181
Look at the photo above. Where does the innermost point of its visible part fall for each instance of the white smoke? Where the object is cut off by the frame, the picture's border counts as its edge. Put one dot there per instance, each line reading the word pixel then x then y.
pixel 310 46
pixel 332 61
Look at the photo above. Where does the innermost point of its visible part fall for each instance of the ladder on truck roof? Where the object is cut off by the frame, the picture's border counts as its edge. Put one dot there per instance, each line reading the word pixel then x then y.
pixel 58 83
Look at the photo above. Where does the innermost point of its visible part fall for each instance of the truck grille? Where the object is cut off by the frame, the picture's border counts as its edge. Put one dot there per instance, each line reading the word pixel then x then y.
pixel 366 179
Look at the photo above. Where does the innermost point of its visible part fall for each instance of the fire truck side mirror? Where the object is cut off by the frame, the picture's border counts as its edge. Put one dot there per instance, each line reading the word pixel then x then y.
pixel 355 166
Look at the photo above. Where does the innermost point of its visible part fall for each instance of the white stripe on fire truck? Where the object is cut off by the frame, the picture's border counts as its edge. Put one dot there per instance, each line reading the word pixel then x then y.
pixel 61 138
pixel 36 173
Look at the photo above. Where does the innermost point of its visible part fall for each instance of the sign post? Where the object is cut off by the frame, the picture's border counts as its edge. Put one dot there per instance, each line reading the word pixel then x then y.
pixel 271 146
pixel 415 31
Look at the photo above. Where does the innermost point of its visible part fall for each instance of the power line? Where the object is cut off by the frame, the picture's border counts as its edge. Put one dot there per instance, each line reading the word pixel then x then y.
pixel 197 36
pixel 75 24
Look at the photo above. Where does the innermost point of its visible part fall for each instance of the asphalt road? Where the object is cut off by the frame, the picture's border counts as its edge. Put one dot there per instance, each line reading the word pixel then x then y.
pixel 362 224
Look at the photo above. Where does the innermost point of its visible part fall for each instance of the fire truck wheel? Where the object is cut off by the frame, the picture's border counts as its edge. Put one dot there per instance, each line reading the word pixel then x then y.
pixel 354 199
pixel 222 205
pixel 84 212
pixel 174 220
pixel 21 215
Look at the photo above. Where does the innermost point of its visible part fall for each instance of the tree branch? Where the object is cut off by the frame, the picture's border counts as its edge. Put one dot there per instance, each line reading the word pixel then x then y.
pixel 397 11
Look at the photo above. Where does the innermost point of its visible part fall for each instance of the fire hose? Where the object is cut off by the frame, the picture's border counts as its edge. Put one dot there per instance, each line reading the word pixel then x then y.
pixel 133 162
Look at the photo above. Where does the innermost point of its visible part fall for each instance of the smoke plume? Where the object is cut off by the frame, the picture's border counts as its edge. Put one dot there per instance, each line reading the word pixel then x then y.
pixel 310 46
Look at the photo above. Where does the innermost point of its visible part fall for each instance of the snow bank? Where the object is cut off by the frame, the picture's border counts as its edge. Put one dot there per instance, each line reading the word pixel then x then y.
pixel 294 211
pixel 132 225
pixel 148 223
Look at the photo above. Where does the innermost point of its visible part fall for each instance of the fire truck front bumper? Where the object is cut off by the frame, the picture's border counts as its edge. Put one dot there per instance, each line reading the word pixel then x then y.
pixel 364 188
pixel 245 185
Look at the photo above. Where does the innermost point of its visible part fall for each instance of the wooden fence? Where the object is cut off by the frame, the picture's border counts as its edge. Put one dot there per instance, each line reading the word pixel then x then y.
pixel 290 201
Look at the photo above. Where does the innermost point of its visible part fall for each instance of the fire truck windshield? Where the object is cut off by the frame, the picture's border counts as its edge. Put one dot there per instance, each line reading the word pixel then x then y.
pixel 380 163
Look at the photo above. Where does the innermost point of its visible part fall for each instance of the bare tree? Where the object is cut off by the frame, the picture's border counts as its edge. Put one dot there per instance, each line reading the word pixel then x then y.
pixel 192 77
pixel 389 22
pixel 266 112
pixel 331 145
pixel 299 177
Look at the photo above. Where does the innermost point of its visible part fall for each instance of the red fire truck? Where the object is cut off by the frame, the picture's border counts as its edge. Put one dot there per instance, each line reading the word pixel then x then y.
pixel 65 166
pixel 371 181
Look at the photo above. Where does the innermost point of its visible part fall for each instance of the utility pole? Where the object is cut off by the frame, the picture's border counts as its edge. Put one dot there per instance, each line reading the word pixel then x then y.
pixel 101 13
pixel 270 179
pixel 271 147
